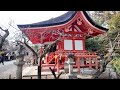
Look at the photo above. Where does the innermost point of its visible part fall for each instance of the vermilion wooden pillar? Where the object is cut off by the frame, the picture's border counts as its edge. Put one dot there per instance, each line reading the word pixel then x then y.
pixel 57 65
pixel 56 61
pixel 78 64
pixel 66 59
pixel 41 51
pixel 90 63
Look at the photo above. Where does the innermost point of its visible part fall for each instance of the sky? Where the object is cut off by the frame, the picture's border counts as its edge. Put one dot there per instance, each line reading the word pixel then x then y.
pixel 25 17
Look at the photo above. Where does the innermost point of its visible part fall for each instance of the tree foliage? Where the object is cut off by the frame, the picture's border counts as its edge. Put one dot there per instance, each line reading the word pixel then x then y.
pixel 92 44
pixel 116 64
pixel 109 41
pixel 115 22
pixel 102 43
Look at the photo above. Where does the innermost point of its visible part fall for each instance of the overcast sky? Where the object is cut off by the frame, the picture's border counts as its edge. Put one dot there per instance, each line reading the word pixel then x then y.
pixel 25 17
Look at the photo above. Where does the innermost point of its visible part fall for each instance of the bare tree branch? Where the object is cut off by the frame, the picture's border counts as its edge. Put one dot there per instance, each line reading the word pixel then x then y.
pixel 53 72
pixel 3 37
pixel 116 38
pixel 31 49
pixel 110 43
pixel 47 50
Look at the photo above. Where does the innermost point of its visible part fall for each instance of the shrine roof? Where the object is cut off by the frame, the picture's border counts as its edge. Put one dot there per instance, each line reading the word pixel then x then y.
pixel 93 22
pixel 61 20
pixel 53 21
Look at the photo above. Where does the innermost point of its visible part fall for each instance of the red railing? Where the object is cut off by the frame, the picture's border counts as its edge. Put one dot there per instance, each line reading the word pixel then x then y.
pixel 51 57
pixel 77 53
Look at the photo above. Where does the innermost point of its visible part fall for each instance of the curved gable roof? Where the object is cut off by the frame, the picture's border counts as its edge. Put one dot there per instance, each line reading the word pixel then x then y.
pixel 61 20
pixel 54 21
pixel 93 22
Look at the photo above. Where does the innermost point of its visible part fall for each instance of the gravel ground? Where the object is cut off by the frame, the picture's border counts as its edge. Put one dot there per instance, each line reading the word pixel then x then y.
pixel 63 76
pixel 8 69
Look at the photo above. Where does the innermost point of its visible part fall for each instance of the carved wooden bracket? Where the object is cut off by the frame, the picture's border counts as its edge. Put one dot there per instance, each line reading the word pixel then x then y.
pixel 79 21
pixel 67 29
pixel 90 31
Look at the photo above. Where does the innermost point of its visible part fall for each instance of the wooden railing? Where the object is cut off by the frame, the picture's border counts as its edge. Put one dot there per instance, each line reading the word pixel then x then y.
pixel 87 56
pixel 51 57
pixel 77 53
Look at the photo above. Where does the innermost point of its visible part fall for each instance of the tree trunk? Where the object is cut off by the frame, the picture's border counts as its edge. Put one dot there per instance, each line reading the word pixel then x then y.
pixel 3 38
pixel 46 51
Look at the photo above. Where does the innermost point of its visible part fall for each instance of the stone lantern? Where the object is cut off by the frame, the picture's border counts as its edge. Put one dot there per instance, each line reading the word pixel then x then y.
pixel 70 63
pixel 19 60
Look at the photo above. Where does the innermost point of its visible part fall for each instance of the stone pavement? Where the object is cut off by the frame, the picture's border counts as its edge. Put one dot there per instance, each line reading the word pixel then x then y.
pixel 29 71
pixel 32 71
pixel 85 73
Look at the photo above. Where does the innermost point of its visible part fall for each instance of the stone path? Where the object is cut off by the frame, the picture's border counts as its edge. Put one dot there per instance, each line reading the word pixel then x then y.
pixel 32 71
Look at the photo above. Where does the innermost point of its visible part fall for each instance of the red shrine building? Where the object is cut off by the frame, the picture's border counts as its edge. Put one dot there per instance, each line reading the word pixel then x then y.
pixel 75 27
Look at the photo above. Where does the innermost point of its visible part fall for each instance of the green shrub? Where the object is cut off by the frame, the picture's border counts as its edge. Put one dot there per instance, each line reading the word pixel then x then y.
pixel 116 64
